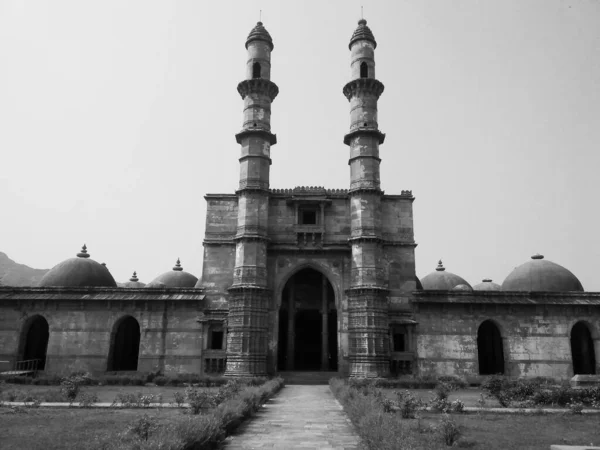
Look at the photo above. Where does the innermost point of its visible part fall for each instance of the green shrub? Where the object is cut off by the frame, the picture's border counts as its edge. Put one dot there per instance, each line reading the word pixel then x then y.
pixel 87 399
pixel 449 430
pixel 179 398
pixel 160 380
pixel 70 386
pixel 199 400
pixel 408 404
pixel 142 427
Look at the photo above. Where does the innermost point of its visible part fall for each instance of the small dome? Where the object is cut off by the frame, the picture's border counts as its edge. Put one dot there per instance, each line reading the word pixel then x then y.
pixel 362 32
pixel 260 33
pixel 78 272
pixel 134 282
pixel 440 280
pixel 462 287
pixel 541 275
pixel 175 278
pixel 487 285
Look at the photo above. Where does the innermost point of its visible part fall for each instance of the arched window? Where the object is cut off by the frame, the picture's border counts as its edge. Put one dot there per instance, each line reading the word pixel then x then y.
pixel 489 349
pixel 256 70
pixel 582 350
pixel 125 345
pixel 364 70
pixel 35 335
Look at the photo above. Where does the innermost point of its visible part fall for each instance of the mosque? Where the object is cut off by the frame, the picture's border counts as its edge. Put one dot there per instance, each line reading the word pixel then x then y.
pixel 305 279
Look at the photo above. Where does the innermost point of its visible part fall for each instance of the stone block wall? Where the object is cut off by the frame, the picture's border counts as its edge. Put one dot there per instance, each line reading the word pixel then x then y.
pixel 81 331
pixel 535 337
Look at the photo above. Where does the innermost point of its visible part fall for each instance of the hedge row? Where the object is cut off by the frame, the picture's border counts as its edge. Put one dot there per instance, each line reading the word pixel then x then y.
pixel 129 379
pixel 417 382
pixel 197 432
pixel 379 427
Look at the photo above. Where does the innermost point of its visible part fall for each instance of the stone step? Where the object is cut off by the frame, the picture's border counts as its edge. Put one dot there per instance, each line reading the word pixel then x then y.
pixel 307 377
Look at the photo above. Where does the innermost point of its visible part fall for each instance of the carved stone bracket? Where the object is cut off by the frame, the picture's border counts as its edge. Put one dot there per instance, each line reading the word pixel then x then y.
pixel 363 86
pixel 258 86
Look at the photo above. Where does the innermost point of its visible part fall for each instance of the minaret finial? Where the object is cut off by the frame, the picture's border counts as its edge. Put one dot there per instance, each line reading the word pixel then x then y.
pixel 440 267
pixel 178 267
pixel 260 15
pixel 361 12
pixel 83 253
pixel 134 277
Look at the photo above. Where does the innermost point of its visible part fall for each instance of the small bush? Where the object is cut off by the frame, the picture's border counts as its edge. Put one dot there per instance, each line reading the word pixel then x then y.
pixel 199 400
pixel 70 386
pixel 408 404
pixel 160 380
pixel 87 399
pixel 143 427
pixel 449 430
pixel 179 398
pixel 576 408
pixel 457 406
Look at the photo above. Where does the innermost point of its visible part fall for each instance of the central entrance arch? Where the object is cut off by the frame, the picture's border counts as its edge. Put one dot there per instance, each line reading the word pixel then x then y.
pixel 307 323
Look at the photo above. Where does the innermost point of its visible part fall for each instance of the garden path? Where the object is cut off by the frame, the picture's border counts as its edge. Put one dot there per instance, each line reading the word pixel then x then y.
pixel 299 417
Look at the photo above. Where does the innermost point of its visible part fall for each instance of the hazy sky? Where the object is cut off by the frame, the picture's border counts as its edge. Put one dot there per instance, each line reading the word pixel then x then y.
pixel 118 116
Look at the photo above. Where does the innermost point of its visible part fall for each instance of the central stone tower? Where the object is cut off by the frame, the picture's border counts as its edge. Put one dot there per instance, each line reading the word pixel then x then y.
pixel 248 295
pixel 368 324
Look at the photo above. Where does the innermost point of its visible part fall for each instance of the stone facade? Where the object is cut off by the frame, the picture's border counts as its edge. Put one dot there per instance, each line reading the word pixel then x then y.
pixel 306 278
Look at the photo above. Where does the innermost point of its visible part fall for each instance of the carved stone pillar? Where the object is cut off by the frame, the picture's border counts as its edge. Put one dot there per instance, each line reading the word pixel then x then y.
pixel 291 327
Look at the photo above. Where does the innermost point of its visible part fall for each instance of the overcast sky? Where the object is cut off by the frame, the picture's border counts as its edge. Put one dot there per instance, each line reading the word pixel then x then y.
pixel 118 116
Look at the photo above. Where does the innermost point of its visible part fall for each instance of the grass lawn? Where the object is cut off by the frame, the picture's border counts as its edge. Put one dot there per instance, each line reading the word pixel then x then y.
pixel 107 393
pixel 47 428
pixel 518 431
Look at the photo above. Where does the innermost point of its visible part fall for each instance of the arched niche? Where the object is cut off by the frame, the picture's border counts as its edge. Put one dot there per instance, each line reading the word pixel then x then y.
pixel 582 350
pixel 34 341
pixel 124 345
pixel 489 349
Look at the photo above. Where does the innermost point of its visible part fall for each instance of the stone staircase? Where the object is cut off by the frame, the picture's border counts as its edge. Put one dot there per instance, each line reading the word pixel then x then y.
pixel 307 378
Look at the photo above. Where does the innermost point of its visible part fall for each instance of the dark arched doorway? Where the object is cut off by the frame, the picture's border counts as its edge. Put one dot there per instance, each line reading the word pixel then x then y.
pixel 125 345
pixel 36 333
pixel 489 349
pixel 582 350
pixel 307 323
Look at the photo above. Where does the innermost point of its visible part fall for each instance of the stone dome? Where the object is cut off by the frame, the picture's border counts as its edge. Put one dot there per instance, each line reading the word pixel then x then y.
pixel 78 272
pixel 174 278
pixel 487 285
pixel 542 275
pixel 462 287
pixel 134 282
pixel 362 32
pixel 260 33
pixel 440 280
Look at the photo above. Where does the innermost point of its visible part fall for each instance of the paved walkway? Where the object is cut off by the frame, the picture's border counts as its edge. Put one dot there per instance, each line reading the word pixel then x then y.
pixel 299 417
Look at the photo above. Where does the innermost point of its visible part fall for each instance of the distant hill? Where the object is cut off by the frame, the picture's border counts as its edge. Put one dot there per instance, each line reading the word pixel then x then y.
pixel 15 274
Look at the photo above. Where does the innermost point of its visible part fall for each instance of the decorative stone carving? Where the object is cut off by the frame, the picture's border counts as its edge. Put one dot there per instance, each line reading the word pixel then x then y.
pixel 258 86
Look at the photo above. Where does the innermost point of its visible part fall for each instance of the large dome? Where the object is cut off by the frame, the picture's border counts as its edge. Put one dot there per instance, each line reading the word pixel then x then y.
pixel 134 282
pixel 487 285
pixel 78 272
pixel 440 280
pixel 541 275
pixel 174 278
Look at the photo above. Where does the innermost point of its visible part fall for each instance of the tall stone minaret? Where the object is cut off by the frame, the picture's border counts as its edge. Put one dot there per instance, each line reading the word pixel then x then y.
pixel 367 297
pixel 249 297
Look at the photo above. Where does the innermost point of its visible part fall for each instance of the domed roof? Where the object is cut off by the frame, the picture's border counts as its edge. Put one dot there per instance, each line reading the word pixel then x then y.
pixel 260 33
pixel 419 285
pixel 440 280
pixel 487 285
pixel 78 272
pixel 134 282
pixel 462 287
pixel 175 278
pixel 362 32
pixel 541 275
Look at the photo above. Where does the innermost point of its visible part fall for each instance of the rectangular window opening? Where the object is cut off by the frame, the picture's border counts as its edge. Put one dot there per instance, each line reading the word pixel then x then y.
pixel 308 217
pixel 216 340
pixel 399 342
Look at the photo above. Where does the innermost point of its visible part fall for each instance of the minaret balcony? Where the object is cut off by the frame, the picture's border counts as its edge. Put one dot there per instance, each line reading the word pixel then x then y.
pixel 364 131
pixel 363 87
pixel 258 86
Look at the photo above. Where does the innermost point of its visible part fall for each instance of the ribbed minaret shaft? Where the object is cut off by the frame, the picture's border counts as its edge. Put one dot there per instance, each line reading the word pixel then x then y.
pixel 367 298
pixel 249 297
